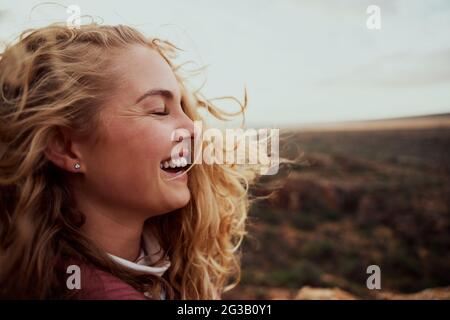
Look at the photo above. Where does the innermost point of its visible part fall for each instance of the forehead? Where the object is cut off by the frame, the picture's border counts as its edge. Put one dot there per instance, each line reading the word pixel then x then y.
pixel 141 69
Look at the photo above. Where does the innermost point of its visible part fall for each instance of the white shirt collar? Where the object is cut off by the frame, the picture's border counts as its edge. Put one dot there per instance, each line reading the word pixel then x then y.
pixel 150 253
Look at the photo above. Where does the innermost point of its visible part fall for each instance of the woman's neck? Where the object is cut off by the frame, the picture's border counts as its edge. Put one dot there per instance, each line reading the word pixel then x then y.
pixel 116 231
pixel 115 238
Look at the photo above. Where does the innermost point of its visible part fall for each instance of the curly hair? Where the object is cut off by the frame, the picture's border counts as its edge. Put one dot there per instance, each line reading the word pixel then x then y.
pixel 55 77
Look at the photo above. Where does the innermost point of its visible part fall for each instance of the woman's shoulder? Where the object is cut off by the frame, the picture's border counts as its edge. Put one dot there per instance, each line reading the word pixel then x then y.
pixel 97 284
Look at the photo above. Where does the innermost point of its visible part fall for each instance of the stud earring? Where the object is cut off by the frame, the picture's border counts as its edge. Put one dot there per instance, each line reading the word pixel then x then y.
pixel 77 166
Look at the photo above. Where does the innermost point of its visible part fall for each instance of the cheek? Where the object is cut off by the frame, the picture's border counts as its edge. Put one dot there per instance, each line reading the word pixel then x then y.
pixel 129 156
pixel 138 140
pixel 126 169
pixel 140 150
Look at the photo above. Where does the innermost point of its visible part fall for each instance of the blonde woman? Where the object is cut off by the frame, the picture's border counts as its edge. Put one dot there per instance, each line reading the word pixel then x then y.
pixel 88 120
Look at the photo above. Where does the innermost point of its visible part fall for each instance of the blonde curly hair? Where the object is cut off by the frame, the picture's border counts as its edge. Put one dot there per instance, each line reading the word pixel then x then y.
pixel 55 77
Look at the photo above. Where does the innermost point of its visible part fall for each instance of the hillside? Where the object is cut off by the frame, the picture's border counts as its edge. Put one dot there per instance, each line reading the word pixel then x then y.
pixel 366 197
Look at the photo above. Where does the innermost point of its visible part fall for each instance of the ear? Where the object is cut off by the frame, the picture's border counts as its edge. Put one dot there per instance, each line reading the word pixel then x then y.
pixel 63 152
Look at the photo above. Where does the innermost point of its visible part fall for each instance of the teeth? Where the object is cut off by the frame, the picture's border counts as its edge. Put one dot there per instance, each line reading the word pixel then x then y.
pixel 174 163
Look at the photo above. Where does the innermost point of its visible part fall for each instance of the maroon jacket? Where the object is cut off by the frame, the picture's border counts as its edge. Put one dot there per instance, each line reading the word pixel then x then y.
pixel 97 284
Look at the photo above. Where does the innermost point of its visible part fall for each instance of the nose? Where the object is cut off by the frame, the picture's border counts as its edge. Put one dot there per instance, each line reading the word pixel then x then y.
pixel 185 130
pixel 189 126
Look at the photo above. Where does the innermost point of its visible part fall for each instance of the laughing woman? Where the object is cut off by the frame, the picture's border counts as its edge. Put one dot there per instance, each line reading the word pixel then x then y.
pixel 89 119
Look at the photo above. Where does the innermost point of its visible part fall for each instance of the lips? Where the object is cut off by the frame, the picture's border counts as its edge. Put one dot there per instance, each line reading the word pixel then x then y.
pixel 174 165
pixel 175 169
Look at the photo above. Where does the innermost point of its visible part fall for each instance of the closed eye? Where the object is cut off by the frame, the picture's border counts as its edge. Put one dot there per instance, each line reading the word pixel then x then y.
pixel 161 113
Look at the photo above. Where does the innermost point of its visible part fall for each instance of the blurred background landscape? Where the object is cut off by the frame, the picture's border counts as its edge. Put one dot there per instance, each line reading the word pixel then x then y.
pixel 375 192
pixel 370 191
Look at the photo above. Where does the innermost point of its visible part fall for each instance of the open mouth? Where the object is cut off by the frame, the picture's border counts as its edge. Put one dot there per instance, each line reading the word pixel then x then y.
pixel 174 166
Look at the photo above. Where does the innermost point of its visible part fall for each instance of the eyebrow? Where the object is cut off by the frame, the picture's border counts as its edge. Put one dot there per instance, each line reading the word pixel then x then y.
pixel 157 92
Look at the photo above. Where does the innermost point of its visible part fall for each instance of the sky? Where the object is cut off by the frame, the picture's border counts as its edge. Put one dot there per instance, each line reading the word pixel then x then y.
pixel 301 61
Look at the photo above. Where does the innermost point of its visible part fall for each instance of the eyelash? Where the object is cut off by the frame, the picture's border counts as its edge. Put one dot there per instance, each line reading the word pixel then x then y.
pixel 164 113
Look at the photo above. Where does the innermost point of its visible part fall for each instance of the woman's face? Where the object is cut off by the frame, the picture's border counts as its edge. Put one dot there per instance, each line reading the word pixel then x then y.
pixel 140 124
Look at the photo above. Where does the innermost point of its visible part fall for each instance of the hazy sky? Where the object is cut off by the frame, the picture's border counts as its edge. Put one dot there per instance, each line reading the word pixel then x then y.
pixel 302 61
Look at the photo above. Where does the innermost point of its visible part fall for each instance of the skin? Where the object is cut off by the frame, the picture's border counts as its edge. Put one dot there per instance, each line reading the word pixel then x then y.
pixel 120 184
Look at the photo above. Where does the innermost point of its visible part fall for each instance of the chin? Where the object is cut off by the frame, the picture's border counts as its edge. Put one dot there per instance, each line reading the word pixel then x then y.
pixel 180 199
pixel 175 199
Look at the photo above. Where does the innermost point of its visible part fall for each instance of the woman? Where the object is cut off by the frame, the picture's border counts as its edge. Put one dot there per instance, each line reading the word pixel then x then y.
pixel 89 119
